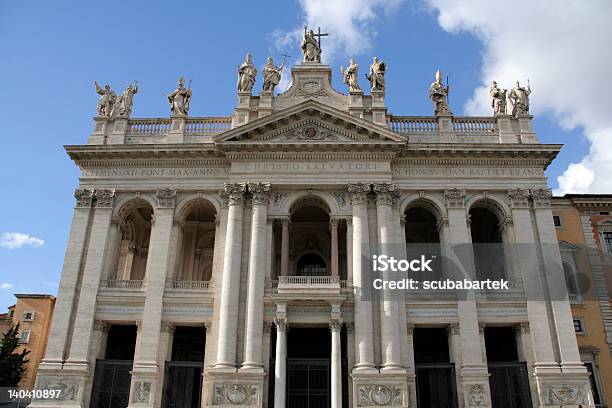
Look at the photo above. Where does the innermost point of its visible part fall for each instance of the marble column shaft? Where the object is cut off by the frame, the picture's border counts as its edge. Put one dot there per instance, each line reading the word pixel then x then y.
pixel 230 287
pixel 333 224
pixel 280 364
pixel 284 247
pixel 364 344
pixel 336 364
pixel 257 263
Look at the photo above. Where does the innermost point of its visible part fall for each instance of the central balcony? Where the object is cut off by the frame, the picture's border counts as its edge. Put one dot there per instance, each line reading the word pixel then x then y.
pixel 309 284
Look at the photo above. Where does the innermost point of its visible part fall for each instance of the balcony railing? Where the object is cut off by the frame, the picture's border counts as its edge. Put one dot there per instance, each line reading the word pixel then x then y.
pixel 411 125
pixel 187 284
pixel 148 127
pixel 461 126
pixel 207 126
pixel 124 284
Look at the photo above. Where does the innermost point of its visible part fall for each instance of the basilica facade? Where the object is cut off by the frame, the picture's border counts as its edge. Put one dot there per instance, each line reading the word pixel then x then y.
pixel 223 261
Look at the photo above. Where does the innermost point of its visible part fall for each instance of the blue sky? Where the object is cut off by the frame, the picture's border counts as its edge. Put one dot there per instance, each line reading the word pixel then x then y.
pixel 53 51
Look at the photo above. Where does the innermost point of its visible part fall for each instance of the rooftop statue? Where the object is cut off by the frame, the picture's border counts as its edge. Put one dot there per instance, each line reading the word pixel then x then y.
pixel 180 98
pixel 311 48
pixel 439 94
pixel 123 104
pixel 246 75
pixel 377 75
pixel 519 96
pixel 498 99
pixel 106 101
pixel 350 76
pixel 272 75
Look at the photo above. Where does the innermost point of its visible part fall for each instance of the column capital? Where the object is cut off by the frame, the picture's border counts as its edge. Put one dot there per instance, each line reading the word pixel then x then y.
pixel 84 197
pixel 410 329
pixel 261 193
pixel 522 328
pixel 105 198
pixel 208 326
pixel 386 193
pixel 455 198
pixel 233 193
pixel 333 223
pixel 166 198
pixel 454 329
pixel 441 223
pixel 481 327
pixel 281 324
pixel 541 197
pixel 359 192
pixel 167 327
pixel 518 198
pixel 506 222
pixel 335 325
pixel 101 326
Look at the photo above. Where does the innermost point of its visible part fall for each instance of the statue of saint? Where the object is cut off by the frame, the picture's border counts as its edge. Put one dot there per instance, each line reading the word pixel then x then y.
pixel 272 75
pixel 106 101
pixel 123 104
pixel 310 47
pixel 439 94
pixel 246 75
pixel 498 99
pixel 519 97
pixel 180 98
pixel 350 76
pixel 377 75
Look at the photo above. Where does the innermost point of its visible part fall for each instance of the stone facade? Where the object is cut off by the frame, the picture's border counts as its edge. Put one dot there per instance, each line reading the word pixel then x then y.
pixel 358 170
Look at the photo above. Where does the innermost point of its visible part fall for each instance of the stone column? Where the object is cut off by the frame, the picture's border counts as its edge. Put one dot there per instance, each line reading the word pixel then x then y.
pixel 472 372
pixel 230 287
pixel 333 225
pixel 257 263
pixel 335 325
pixel 280 364
pixel 389 314
pixel 98 241
pixel 364 344
pixel 146 373
pixel 349 250
pixel 560 308
pixel 64 305
pixel 284 247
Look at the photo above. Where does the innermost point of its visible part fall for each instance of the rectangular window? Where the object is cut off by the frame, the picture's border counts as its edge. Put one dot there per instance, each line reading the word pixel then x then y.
pixel 28 316
pixel 557 220
pixel 594 388
pixel 607 238
pixel 578 327
pixel 24 337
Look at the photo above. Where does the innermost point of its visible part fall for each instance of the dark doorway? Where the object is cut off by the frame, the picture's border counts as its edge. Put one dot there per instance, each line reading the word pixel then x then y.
pixel 111 385
pixel 308 368
pixel 435 374
pixel 508 378
pixel 183 376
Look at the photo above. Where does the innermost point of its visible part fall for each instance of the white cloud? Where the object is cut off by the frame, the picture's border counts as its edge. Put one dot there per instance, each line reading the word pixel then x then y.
pixel 349 23
pixel 13 240
pixel 562 47
pixel 6 285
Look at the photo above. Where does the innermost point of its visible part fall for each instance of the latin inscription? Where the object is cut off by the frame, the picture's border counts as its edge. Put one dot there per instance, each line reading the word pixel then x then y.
pixel 156 172
pixel 310 166
pixel 466 172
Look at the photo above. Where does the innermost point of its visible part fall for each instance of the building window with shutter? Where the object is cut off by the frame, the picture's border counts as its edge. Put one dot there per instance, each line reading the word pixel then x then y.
pixel 24 337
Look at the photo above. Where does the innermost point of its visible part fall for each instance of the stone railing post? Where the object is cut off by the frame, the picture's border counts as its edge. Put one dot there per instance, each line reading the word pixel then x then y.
pixel 242 112
pixel 101 128
pixel 177 129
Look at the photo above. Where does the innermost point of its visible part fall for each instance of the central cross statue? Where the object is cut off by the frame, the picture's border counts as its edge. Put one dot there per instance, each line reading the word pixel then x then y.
pixel 311 45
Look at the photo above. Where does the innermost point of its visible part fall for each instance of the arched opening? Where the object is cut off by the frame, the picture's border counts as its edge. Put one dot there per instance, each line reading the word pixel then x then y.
pixel 311 265
pixel 135 233
pixel 197 243
pixel 487 241
pixel 423 238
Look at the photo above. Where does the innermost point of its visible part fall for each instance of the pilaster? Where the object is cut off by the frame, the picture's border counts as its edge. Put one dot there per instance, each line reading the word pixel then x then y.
pixel 177 129
pixel 379 109
pixel 242 113
pixel 504 126
pixel 120 127
pixel 101 128
pixel 356 107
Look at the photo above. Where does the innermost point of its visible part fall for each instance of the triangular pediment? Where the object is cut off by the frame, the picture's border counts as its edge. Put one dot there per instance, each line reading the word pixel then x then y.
pixel 310 122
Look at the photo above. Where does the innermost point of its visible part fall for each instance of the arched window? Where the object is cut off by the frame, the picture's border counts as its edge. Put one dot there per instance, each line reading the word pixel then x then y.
pixel 198 242
pixel 133 246
pixel 423 238
pixel 311 265
pixel 487 244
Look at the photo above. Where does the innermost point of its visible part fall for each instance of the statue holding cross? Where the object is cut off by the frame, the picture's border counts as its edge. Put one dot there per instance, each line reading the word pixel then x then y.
pixel 311 46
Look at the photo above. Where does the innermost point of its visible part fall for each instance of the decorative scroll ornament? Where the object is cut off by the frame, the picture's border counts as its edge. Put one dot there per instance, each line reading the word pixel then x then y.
pixel 311 87
pixel 380 395
pixel 260 192
pixel 69 388
pixel 235 394
pixel 518 198
pixel 385 193
pixel 83 197
pixel 105 198
pixel 142 392
pixel 477 396
pixel 455 198
pixel 166 198
pixel 335 325
pixel 281 324
pixel 566 395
